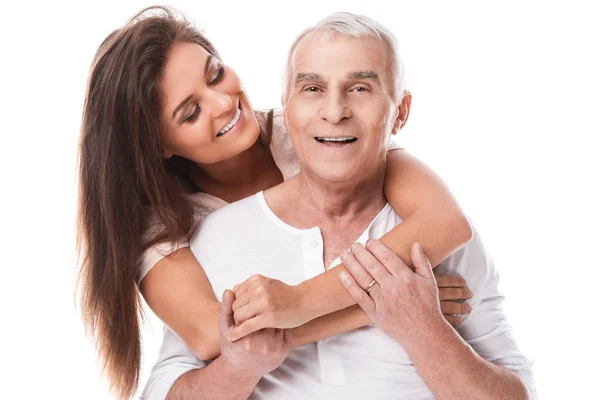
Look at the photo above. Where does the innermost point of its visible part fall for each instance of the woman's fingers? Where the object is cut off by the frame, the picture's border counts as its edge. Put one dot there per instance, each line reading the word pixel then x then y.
pixel 454 307
pixel 454 320
pixel 241 300
pixel 246 328
pixel 247 312
pixel 450 281
pixel 452 293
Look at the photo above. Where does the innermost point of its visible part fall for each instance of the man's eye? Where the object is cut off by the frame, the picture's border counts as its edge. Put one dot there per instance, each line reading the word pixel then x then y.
pixel 312 89
pixel 360 89
pixel 192 117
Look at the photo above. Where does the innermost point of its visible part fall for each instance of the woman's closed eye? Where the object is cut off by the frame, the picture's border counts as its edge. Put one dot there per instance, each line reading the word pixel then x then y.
pixel 219 76
pixel 192 117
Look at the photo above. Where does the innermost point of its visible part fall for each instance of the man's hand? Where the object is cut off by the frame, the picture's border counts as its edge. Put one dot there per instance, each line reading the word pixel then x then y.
pixel 402 303
pixel 452 293
pixel 256 354
pixel 262 302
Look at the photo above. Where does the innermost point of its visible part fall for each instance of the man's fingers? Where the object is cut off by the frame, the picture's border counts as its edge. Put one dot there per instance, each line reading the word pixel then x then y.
pixel 358 294
pixel 225 312
pixel 386 257
pixel 246 328
pixel 454 320
pixel 449 281
pixel 355 268
pixel 421 262
pixel 453 307
pixel 455 294
pixel 370 262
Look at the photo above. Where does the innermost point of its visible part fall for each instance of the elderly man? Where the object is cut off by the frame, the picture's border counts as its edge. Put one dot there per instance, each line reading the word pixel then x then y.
pixel 343 101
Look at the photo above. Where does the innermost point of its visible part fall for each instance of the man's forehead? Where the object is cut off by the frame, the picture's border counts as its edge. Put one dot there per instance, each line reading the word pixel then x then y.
pixel 346 54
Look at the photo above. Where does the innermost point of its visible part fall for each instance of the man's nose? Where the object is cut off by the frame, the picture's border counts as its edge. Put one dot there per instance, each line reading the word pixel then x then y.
pixel 335 108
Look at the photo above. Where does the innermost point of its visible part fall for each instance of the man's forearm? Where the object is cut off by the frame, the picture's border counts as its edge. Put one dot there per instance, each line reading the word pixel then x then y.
pixel 453 370
pixel 214 381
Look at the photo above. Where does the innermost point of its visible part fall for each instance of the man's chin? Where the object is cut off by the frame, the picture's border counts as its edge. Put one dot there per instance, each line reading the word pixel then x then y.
pixel 333 174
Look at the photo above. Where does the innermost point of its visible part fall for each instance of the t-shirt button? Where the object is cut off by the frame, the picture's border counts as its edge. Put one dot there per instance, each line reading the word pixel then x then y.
pixel 314 243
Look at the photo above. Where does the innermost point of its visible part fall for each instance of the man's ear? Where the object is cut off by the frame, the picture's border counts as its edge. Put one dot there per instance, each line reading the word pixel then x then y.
pixel 403 112
pixel 283 105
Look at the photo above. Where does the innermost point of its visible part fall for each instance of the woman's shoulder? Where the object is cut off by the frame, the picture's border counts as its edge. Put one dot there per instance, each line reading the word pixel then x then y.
pixel 203 205
pixel 280 143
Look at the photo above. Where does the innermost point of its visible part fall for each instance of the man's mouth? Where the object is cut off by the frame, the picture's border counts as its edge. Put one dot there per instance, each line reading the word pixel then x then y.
pixel 336 140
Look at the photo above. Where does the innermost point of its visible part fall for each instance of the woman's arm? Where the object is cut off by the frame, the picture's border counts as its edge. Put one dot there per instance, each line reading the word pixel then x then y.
pixel 431 216
pixel 179 293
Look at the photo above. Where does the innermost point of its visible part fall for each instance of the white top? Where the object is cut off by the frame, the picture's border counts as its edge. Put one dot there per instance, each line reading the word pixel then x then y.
pixel 285 158
pixel 361 364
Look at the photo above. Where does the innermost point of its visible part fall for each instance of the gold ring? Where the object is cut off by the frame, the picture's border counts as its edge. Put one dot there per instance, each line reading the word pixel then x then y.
pixel 371 286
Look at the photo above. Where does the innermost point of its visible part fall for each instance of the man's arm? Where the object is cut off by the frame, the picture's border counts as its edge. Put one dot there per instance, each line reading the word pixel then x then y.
pixel 212 382
pixel 180 375
pixel 431 216
pixel 453 370
pixel 486 365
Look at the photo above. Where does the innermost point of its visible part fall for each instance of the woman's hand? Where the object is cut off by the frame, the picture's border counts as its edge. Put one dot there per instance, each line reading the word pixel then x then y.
pixel 256 354
pixel 452 292
pixel 262 302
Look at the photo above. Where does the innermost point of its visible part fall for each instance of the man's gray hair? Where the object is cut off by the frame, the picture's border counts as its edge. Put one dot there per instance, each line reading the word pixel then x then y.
pixel 348 24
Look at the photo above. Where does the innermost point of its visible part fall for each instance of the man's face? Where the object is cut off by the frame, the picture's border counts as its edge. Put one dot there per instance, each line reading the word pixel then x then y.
pixel 341 109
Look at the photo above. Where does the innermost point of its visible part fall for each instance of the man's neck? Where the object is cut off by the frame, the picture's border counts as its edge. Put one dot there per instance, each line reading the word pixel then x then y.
pixel 341 210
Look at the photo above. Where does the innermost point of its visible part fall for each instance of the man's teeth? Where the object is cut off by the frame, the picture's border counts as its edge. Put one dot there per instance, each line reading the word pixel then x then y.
pixel 230 125
pixel 338 139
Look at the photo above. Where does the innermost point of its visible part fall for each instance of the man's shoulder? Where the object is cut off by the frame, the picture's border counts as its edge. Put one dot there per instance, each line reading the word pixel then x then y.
pixel 236 209
pixel 474 263
pixel 230 218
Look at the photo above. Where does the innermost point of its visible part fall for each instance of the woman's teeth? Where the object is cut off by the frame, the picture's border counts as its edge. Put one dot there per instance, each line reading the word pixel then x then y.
pixel 230 125
pixel 338 139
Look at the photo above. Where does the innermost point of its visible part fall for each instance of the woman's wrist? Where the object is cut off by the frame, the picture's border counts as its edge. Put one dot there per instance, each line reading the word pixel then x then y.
pixel 307 308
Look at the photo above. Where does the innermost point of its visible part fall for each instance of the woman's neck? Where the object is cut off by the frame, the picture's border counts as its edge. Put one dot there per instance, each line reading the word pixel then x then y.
pixel 238 177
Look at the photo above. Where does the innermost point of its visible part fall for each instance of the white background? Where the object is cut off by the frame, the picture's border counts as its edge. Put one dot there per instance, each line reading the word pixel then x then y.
pixel 505 109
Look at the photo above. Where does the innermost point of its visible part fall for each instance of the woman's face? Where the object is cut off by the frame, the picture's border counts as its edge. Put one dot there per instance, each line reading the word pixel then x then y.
pixel 206 115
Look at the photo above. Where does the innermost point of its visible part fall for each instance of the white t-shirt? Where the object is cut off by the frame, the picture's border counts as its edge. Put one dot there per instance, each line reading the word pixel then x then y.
pixel 285 158
pixel 247 238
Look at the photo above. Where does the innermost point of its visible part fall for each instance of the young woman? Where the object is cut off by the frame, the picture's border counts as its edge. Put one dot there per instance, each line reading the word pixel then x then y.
pixel 168 136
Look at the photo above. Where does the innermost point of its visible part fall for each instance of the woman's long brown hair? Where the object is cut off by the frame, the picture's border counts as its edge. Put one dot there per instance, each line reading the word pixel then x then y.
pixel 123 179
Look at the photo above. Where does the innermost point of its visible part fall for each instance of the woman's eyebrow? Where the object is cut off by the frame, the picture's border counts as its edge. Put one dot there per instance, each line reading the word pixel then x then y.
pixel 207 65
pixel 185 101
pixel 180 105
